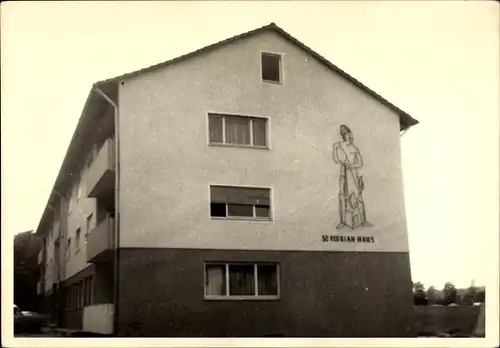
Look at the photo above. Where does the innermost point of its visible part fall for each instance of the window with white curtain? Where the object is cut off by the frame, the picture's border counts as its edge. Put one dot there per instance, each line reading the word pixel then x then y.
pixel 238 130
pixel 241 280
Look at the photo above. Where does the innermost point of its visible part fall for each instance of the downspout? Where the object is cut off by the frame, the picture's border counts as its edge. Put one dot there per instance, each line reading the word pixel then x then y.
pixel 116 243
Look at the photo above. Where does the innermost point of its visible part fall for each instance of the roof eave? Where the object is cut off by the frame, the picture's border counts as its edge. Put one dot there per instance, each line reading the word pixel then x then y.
pixel 406 120
pixel 62 170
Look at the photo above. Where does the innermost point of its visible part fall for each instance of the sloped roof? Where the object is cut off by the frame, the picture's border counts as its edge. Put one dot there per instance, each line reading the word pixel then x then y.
pixel 406 121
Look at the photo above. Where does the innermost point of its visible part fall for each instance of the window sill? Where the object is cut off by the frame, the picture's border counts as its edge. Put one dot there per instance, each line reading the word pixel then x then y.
pixel 242 298
pixel 272 82
pixel 242 219
pixel 240 146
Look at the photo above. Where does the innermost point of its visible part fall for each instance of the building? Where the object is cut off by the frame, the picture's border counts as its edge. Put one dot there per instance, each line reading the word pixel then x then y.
pixel 250 188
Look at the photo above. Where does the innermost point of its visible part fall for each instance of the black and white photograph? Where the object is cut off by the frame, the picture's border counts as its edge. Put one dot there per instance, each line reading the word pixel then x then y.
pixel 250 173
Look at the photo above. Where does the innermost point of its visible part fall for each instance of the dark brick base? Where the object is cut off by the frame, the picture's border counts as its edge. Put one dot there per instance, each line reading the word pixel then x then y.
pixel 323 294
pixel 102 292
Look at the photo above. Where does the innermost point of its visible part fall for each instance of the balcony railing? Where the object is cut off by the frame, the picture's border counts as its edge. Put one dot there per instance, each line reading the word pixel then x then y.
pixel 100 241
pixel 98 318
pixel 101 174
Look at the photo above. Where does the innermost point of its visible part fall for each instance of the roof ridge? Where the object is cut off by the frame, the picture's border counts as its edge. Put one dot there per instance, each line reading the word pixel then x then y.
pixel 408 121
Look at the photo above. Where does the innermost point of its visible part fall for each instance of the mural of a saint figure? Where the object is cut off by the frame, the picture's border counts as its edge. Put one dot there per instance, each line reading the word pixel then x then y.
pixel 351 205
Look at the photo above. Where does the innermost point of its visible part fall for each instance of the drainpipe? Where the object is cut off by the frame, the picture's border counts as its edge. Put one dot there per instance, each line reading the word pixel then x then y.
pixel 117 210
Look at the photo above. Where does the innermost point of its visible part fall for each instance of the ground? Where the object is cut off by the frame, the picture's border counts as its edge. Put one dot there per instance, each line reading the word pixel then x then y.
pixel 45 332
pixel 42 334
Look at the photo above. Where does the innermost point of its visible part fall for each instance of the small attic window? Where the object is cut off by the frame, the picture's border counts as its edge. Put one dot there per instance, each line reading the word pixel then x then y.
pixel 271 67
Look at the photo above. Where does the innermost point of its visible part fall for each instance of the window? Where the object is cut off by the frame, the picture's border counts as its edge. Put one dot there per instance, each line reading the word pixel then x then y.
pixel 71 290
pixel 81 298
pixel 75 296
pixel 66 298
pixel 240 202
pixel 89 226
pixel 91 290
pixel 271 67
pixel 241 280
pixel 78 294
pixel 91 157
pixel 80 189
pixel 84 293
pixel 68 248
pixel 55 230
pixel 88 291
pixel 77 240
pixel 238 130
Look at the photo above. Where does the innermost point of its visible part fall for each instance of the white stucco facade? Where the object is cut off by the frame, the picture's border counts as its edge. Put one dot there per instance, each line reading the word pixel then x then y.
pixel 81 208
pixel 167 164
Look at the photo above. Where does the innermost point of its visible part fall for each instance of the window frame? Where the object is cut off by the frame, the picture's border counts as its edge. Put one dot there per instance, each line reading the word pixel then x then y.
pixel 71 200
pixel 229 297
pixel 79 192
pixel 78 237
pixel 242 218
pixel 89 220
pixel 250 118
pixel 68 248
pixel 280 67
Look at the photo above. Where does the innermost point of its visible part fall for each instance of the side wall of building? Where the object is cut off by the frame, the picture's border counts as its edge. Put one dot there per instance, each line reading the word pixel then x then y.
pixel 75 211
pixel 167 164
pixel 330 288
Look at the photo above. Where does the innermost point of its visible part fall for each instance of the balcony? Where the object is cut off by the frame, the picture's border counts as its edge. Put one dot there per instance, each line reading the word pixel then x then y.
pixel 100 241
pixel 101 174
pixel 98 318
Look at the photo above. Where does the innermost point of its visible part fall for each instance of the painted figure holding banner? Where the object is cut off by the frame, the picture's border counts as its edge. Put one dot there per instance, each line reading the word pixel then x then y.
pixel 351 185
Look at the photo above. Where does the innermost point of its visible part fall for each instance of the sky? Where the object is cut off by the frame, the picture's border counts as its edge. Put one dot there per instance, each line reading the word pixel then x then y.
pixel 438 61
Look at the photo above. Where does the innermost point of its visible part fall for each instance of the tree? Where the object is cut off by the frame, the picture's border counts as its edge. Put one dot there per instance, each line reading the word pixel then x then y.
pixel 26 270
pixel 449 293
pixel 432 295
pixel 469 296
pixel 480 295
pixel 418 286
pixel 419 296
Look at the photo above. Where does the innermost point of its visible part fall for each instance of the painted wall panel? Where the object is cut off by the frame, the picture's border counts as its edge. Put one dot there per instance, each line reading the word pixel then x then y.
pixel 98 318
